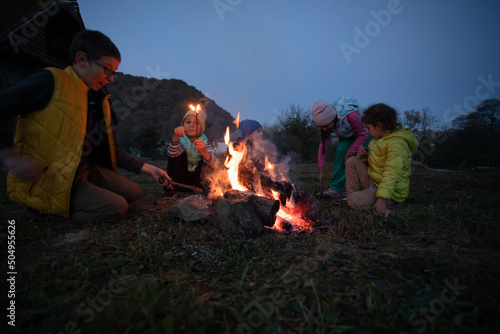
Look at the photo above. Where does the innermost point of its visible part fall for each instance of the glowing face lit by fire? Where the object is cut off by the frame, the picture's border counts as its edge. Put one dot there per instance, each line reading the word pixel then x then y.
pixel 190 126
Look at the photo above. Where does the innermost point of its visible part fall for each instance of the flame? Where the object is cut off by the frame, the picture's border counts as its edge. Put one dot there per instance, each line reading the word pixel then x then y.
pixel 232 162
pixel 227 136
pixel 197 109
pixel 290 217
pixel 270 168
pixel 275 194
pixel 237 121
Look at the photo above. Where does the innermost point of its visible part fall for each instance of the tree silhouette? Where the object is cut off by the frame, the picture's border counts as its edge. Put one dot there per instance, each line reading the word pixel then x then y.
pixel 427 120
pixel 488 112
pixel 474 135
pixel 412 119
pixel 293 131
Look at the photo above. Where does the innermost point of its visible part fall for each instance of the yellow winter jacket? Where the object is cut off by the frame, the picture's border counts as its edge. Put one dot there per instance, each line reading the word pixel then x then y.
pixel 389 164
pixel 54 138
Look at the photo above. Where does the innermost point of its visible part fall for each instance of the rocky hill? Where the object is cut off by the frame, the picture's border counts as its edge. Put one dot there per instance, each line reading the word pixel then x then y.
pixel 141 103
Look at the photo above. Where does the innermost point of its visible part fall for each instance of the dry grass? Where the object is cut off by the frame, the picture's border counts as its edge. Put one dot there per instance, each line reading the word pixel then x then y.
pixel 431 266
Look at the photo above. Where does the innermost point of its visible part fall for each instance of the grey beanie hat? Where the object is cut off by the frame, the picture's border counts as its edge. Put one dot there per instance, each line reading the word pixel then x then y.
pixel 323 113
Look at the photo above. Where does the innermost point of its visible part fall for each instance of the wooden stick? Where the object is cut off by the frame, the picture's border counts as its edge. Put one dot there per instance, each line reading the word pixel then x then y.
pixel 183 186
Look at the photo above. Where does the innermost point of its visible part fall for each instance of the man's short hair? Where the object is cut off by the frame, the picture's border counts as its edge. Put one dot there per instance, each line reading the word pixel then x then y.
pixel 94 44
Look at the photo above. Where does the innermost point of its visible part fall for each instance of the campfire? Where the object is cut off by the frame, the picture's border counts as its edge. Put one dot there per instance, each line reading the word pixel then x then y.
pixel 245 200
pixel 251 200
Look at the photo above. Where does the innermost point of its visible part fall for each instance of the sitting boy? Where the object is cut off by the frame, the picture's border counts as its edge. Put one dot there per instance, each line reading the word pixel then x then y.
pixel 64 157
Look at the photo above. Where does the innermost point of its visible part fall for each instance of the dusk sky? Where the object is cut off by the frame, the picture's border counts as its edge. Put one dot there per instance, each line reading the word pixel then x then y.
pixel 258 57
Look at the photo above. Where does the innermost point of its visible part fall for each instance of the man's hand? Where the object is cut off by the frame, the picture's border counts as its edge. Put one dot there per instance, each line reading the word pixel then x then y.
pixel 158 174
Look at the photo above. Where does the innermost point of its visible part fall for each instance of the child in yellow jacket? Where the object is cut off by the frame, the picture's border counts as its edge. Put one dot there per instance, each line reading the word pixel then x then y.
pixel 383 174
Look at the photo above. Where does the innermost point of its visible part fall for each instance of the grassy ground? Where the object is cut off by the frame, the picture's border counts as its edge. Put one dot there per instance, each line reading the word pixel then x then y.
pixel 430 267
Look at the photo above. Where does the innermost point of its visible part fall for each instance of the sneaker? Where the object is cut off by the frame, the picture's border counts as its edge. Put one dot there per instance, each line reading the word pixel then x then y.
pixel 340 201
pixel 333 193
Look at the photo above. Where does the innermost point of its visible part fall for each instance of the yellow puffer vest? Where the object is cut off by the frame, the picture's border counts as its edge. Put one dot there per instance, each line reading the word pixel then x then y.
pixel 54 138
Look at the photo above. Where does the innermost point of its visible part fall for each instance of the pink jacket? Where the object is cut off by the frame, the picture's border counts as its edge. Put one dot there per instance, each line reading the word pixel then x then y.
pixel 355 120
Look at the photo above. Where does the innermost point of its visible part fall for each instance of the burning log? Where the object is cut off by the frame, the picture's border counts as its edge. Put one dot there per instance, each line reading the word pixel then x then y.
pixel 266 209
pixel 244 213
pixel 253 179
pixel 284 188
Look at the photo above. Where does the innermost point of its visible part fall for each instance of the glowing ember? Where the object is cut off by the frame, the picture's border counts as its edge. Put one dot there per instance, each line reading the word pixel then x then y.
pixel 232 162
pixel 289 214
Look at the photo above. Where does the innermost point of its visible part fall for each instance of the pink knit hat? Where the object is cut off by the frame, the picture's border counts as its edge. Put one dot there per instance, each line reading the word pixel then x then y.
pixel 323 113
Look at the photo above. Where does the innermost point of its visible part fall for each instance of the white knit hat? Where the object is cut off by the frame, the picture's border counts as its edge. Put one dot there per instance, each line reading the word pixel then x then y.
pixel 202 117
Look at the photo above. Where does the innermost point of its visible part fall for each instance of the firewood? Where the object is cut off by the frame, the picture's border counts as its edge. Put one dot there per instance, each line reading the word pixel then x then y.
pixel 266 209
pixel 244 213
pixel 185 187
pixel 252 178
pixel 284 188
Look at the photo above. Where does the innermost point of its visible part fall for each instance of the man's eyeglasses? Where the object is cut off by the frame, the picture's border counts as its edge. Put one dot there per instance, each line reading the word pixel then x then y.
pixel 107 71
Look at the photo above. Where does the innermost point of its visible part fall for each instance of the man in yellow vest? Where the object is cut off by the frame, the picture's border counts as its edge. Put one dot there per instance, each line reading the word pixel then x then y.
pixel 64 157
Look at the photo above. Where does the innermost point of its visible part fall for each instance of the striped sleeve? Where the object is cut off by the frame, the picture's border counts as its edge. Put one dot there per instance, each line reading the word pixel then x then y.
pixel 212 162
pixel 174 149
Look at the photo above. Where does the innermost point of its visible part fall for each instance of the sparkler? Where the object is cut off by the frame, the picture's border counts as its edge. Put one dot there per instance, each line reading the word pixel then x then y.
pixel 197 109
